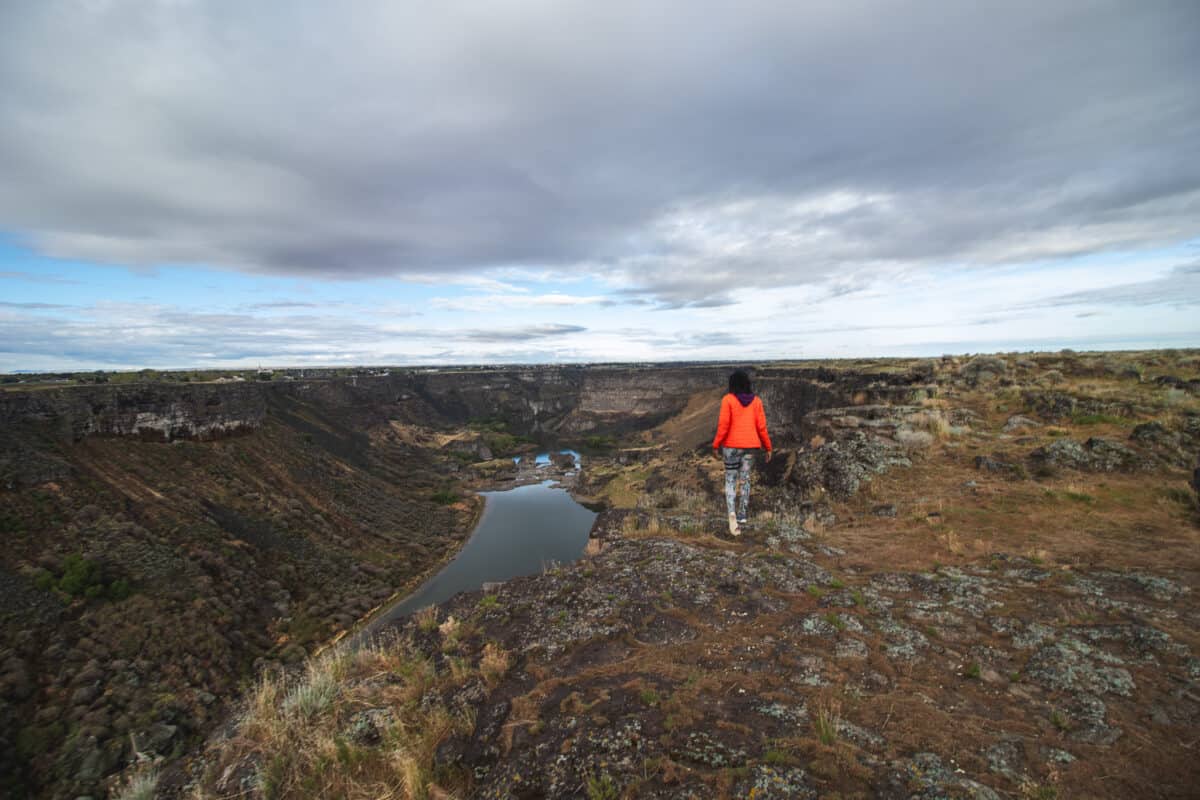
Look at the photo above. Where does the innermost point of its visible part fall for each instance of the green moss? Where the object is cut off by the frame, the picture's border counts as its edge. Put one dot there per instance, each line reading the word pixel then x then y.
pixel 490 424
pixel 1100 419
pixel 34 740
pixel 10 524
pixel 1178 495
pixel 81 577
pixel 776 758
pixel 43 579
pixel 602 787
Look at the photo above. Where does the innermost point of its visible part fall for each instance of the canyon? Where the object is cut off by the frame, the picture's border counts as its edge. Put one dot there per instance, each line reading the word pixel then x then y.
pixel 174 549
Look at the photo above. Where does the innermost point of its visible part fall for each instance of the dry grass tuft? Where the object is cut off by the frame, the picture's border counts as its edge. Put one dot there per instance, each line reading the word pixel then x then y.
pixel 450 628
pixel 953 543
pixel 296 731
pixel 426 618
pixel 138 786
pixel 635 526
pixel 826 721
pixel 495 663
pixel 932 421
pixel 914 441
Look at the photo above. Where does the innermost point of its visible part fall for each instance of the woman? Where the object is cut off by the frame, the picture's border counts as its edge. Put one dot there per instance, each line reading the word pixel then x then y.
pixel 741 429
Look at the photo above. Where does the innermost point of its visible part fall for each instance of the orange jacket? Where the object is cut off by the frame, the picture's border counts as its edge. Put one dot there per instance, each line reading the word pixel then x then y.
pixel 742 426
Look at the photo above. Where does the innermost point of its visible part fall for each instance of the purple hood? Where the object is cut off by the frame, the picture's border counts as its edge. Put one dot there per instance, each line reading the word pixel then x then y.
pixel 745 399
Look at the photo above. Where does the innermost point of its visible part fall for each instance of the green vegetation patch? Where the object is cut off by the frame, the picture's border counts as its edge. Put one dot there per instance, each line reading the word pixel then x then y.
pixel 82 577
pixel 602 787
pixel 504 444
pixel 1100 419
pixel 493 424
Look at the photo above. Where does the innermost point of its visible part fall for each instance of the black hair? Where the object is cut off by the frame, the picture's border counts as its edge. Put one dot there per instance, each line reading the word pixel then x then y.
pixel 739 383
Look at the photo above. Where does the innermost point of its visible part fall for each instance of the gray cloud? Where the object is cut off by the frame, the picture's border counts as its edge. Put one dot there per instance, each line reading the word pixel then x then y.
pixel 30 306
pixel 681 154
pixel 32 277
pixel 521 334
pixel 140 335
pixel 277 304
pixel 681 344
pixel 1179 287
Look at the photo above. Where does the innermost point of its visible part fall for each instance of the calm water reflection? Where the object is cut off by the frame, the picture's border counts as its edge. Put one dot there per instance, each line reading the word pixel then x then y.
pixel 520 532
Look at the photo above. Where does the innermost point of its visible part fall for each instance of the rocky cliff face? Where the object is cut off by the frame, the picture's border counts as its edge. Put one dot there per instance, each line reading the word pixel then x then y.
pixel 551 401
pixel 155 411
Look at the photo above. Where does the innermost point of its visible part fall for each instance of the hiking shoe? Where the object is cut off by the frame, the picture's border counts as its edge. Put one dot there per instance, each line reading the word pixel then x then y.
pixel 733 525
pixel 742 520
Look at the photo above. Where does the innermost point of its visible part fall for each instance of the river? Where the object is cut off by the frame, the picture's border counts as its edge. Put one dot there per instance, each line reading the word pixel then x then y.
pixel 521 532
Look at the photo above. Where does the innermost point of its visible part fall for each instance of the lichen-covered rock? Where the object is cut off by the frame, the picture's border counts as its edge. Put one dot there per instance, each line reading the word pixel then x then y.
pixel 841 466
pixel 1086 718
pixel 1177 448
pixel 999 467
pixel 776 783
pixel 1071 665
pixel 925 777
pixel 1007 758
pixel 1020 423
pixel 983 369
pixel 1054 406
pixel 1094 455
pixel 703 749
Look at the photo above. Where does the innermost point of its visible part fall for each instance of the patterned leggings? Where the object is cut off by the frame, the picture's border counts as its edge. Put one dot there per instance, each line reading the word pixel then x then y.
pixel 738 462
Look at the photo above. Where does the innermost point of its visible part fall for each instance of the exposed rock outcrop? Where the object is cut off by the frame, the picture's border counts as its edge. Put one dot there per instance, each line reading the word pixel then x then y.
pixel 1059 406
pixel 1095 455
pixel 984 369
pixel 152 411
pixel 841 466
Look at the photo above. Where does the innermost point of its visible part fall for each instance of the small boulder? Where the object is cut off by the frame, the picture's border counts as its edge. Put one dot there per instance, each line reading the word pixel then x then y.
pixel 85 695
pixel 1019 423
pixel 984 369
pixel 368 727
pixel 157 738
pixel 998 467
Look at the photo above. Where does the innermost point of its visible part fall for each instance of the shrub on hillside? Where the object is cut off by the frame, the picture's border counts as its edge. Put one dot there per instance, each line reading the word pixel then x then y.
pixel 82 577
pixel 914 441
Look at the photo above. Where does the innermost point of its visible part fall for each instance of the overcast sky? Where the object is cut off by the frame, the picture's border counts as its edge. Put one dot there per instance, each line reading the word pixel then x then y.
pixel 232 183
